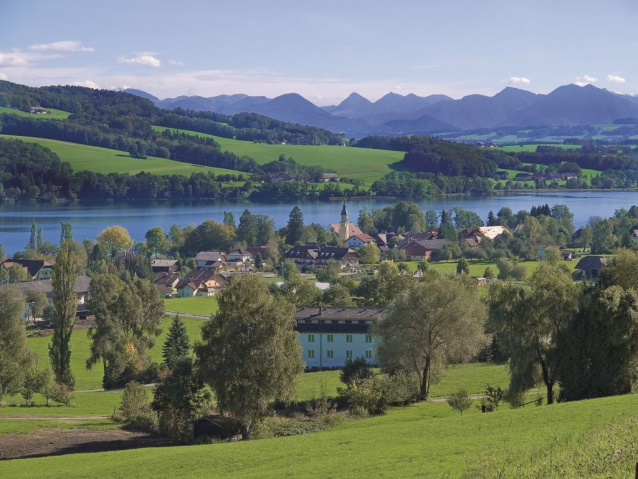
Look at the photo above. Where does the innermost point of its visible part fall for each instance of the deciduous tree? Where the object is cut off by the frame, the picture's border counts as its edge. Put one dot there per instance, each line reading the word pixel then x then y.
pixel 114 239
pixel 250 325
pixel 438 320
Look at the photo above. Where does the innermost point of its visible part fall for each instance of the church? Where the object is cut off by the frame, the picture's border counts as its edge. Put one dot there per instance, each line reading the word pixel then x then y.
pixel 345 229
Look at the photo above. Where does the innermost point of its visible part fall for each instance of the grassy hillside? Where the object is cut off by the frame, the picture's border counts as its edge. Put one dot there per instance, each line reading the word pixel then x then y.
pixel 104 160
pixel 363 163
pixel 56 114
pixel 423 440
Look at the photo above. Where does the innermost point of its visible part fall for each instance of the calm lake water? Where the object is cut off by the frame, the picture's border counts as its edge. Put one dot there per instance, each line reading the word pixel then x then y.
pixel 89 219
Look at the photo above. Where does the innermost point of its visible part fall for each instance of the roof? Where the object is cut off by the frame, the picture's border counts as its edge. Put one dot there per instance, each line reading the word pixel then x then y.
pixel 163 263
pixel 46 286
pixel 319 319
pixel 315 252
pixel 351 230
pixel 33 266
pixel 429 244
pixel 209 256
pixel 363 237
pixel 242 252
pixel 329 175
pixel 592 262
pixel 492 232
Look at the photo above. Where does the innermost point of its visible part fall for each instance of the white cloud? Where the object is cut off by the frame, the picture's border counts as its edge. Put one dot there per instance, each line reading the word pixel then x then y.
pixel 87 84
pixel 585 80
pixel 144 60
pixel 615 79
pixel 12 60
pixel 65 46
pixel 176 63
pixel 3 77
pixel 517 81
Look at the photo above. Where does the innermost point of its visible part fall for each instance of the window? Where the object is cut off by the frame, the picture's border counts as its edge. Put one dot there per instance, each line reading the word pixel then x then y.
pixel 314 321
pixel 311 338
pixel 330 354
pixel 329 338
pixel 368 338
pixel 348 338
pixel 368 354
pixel 311 354
pixel 348 354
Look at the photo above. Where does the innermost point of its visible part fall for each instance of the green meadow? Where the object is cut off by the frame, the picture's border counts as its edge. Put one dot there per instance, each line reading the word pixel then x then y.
pixel 200 306
pixel 422 440
pixel 364 163
pixel 532 148
pixel 105 160
pixel 55 114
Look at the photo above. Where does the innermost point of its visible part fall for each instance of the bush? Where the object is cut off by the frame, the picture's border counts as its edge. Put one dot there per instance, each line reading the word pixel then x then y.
pixel 492 399
pixel 399 388
pixel 61 394
pixel 366 394
pixel 460 401
pixel 134 399
pixel 516 399
pixel 144 421
pixel 508 269
pixel 355 370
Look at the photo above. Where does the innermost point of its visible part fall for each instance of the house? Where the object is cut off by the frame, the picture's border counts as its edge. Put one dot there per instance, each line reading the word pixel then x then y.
pixel 357 241
pixel 39 111
pixel 331 336
pixel 422 250
pixel 502 175
pixel 590 266
pixel 200 282
pixel 570 176
pixel 242 256
pixel 566 254
pixel 326 177
pixel 166 282
pixel 46 286
pixel 281 177
pixel 553 176
pixel 35 269
pixel 313 255
pixel 210 259
pixel 164 265
pixel 263 251
pixel 633 234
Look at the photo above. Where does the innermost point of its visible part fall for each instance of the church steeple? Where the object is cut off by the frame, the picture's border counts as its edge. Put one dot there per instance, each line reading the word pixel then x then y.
pixel 343 226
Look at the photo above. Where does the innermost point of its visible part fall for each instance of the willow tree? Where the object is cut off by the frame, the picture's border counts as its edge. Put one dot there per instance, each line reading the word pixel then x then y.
pixel 434 322
pixel 65 304
pixel 529 321
pixel 15 357
pixel 250 354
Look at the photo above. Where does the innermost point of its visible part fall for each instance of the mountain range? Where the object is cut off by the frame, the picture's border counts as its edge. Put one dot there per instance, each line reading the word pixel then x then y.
pixel 395 114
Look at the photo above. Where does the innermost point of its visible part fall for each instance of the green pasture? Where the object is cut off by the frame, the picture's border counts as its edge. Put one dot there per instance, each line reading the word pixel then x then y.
pixel 364 163
pixel 200 306
pixel 532 148
pixel 477 268
pixel 55 114
pixel 105 160
pixel 25 426
pixel 422 440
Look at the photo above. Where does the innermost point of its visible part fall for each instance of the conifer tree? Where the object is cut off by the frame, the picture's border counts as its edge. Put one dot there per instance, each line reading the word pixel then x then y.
pixel 177 344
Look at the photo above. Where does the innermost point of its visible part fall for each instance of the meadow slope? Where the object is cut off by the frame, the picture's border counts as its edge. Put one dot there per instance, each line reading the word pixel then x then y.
pixel 364 163
pixel 105 160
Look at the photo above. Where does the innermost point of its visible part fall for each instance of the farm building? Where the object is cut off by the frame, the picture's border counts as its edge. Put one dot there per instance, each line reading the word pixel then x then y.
pixel 331 336
pixel 164 265
pixel 35 269
pixel 419 250
pixel 310 255
pixel 590 266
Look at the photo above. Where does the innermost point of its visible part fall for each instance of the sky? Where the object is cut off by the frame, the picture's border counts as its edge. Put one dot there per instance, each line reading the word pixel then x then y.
pixel 324 49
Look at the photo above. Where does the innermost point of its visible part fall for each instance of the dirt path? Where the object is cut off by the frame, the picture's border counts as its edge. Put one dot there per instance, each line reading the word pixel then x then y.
pixel 53 442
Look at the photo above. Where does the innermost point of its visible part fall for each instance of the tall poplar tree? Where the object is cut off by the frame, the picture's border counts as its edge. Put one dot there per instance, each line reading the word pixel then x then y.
pixel 65 303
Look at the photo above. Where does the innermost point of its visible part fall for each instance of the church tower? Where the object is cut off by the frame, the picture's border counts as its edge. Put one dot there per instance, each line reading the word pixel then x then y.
pixel 343 226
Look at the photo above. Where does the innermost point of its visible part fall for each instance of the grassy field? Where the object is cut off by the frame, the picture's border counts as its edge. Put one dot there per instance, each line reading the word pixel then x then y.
pixel 532 148
pixel 56 114
pixel 471 377
pixel 363 163
pixel 105 160
pixel 477 268
pixel 27 426
pixel 423 440
pixel 200 306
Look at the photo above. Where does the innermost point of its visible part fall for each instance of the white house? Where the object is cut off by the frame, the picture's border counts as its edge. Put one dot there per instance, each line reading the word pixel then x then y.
pixel 358 240
pixel 240 256
pixel 210 259
pixel 331 336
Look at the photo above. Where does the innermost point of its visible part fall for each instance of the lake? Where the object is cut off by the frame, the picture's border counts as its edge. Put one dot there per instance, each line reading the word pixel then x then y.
pixel 89 219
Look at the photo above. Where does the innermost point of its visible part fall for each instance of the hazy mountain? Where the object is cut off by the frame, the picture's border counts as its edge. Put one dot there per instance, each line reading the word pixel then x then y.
pixel 575 105
pixel 480 111
pixel 141 93
pixel 395 114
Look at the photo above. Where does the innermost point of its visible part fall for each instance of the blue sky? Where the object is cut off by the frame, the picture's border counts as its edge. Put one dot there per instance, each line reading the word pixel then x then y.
pixel 322 49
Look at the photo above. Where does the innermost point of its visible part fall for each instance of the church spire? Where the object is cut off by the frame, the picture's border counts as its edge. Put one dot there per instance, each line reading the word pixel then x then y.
pixel 344 226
